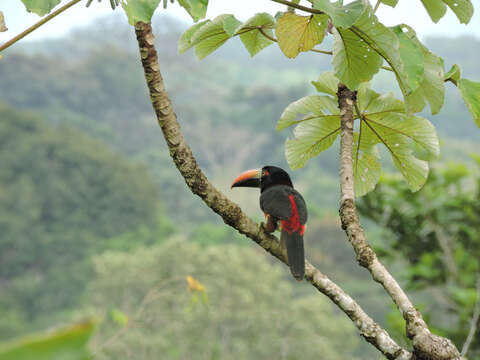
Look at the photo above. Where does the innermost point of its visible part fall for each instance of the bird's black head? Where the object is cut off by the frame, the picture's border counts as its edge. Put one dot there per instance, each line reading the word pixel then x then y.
pixel 273 175
pixel 263 178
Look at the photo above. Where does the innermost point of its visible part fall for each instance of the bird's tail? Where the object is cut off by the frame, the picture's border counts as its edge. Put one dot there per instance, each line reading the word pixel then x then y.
pixel 295 253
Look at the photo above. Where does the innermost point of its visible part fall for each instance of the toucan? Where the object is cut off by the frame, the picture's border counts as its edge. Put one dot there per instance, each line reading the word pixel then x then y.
pixel 283 207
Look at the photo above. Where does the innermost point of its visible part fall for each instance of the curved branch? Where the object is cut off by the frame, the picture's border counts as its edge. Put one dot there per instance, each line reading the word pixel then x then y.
pixel 475 317
pixel 426 345
pixel 231 213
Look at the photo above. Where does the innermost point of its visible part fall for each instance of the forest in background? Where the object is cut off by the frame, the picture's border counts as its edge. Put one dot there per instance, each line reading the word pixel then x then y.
pixel 95 216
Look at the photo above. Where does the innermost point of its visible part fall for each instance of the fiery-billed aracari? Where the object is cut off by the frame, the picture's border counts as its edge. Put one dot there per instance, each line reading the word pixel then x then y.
pixel 283 206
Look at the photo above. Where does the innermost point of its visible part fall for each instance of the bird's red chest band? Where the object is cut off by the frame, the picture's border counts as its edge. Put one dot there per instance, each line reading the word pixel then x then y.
pixel 293 224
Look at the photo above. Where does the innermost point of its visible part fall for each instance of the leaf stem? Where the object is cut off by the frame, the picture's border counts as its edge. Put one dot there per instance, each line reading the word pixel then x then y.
pixel 376 6
pixel 299 7
pixel 37 25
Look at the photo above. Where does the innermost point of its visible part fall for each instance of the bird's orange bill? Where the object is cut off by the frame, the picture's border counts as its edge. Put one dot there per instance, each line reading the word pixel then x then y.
pixel 249 178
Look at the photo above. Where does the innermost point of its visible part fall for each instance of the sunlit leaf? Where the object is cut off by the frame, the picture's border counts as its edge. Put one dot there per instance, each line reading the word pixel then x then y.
pixel 327 83
pixel 341 16
pixel 40 7
pixel 311 138
pixel 213 34
pixel 185 41
pixel 470 91
pixel 435 8
pixel 297 33
pixel 68 343
pixel 196 8
pixel 139 10
pixel 310 107
pixel 354 60
pixel 254 40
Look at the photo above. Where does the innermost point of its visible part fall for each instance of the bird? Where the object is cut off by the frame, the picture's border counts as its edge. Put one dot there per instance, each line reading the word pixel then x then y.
pixel 284 208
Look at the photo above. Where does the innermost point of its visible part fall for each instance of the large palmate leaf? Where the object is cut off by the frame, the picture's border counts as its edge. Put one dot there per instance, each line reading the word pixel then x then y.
pixel 40 7
pixel 297 33
pixel 69 343
pixel 310 108
pixel 341 16
pixel 196 8
pixel 252 37
pixel 139 10
pixel 211 35
pixel 383 120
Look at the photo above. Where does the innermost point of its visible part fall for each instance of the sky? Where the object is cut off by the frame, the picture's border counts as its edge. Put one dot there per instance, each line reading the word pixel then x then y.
pixel 410 11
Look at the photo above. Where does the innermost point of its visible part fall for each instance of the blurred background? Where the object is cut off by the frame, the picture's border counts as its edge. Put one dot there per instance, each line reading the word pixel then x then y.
pixel 96 220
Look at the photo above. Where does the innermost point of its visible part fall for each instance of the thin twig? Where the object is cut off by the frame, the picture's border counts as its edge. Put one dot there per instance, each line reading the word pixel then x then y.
pixel 299 7
pixel 475 317
pixel 376 6
pixel 38 24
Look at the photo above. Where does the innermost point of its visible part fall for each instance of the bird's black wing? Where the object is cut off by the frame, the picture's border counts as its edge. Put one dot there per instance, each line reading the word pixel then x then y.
pixel 275 202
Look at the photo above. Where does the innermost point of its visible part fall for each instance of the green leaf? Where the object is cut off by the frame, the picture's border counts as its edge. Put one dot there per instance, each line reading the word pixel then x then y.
pixel 69 343
pixel 435 8
pixel 327 83
pixel 311 107
pixel 433 85
pixel 470 91
pixel 341 16
pixel 40 7
pixel 213 34
pixel 463 9
pixel 384 121
pixel 354 60
pixel 366 164
pixel 254 40
pixel 386 44
pixel 297 33
pixel 139 10
pixel 431 88
pixel 185 41
pixel 196 8
pixel 311 138
pixel 453 74
pixel 411 56
pixel 391 3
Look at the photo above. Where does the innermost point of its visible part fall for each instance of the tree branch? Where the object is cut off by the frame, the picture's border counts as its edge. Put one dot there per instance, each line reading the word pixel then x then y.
pixel 37 24
pixel 231 213
pixel 299 7
pixel 426 345
pixel 475 317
